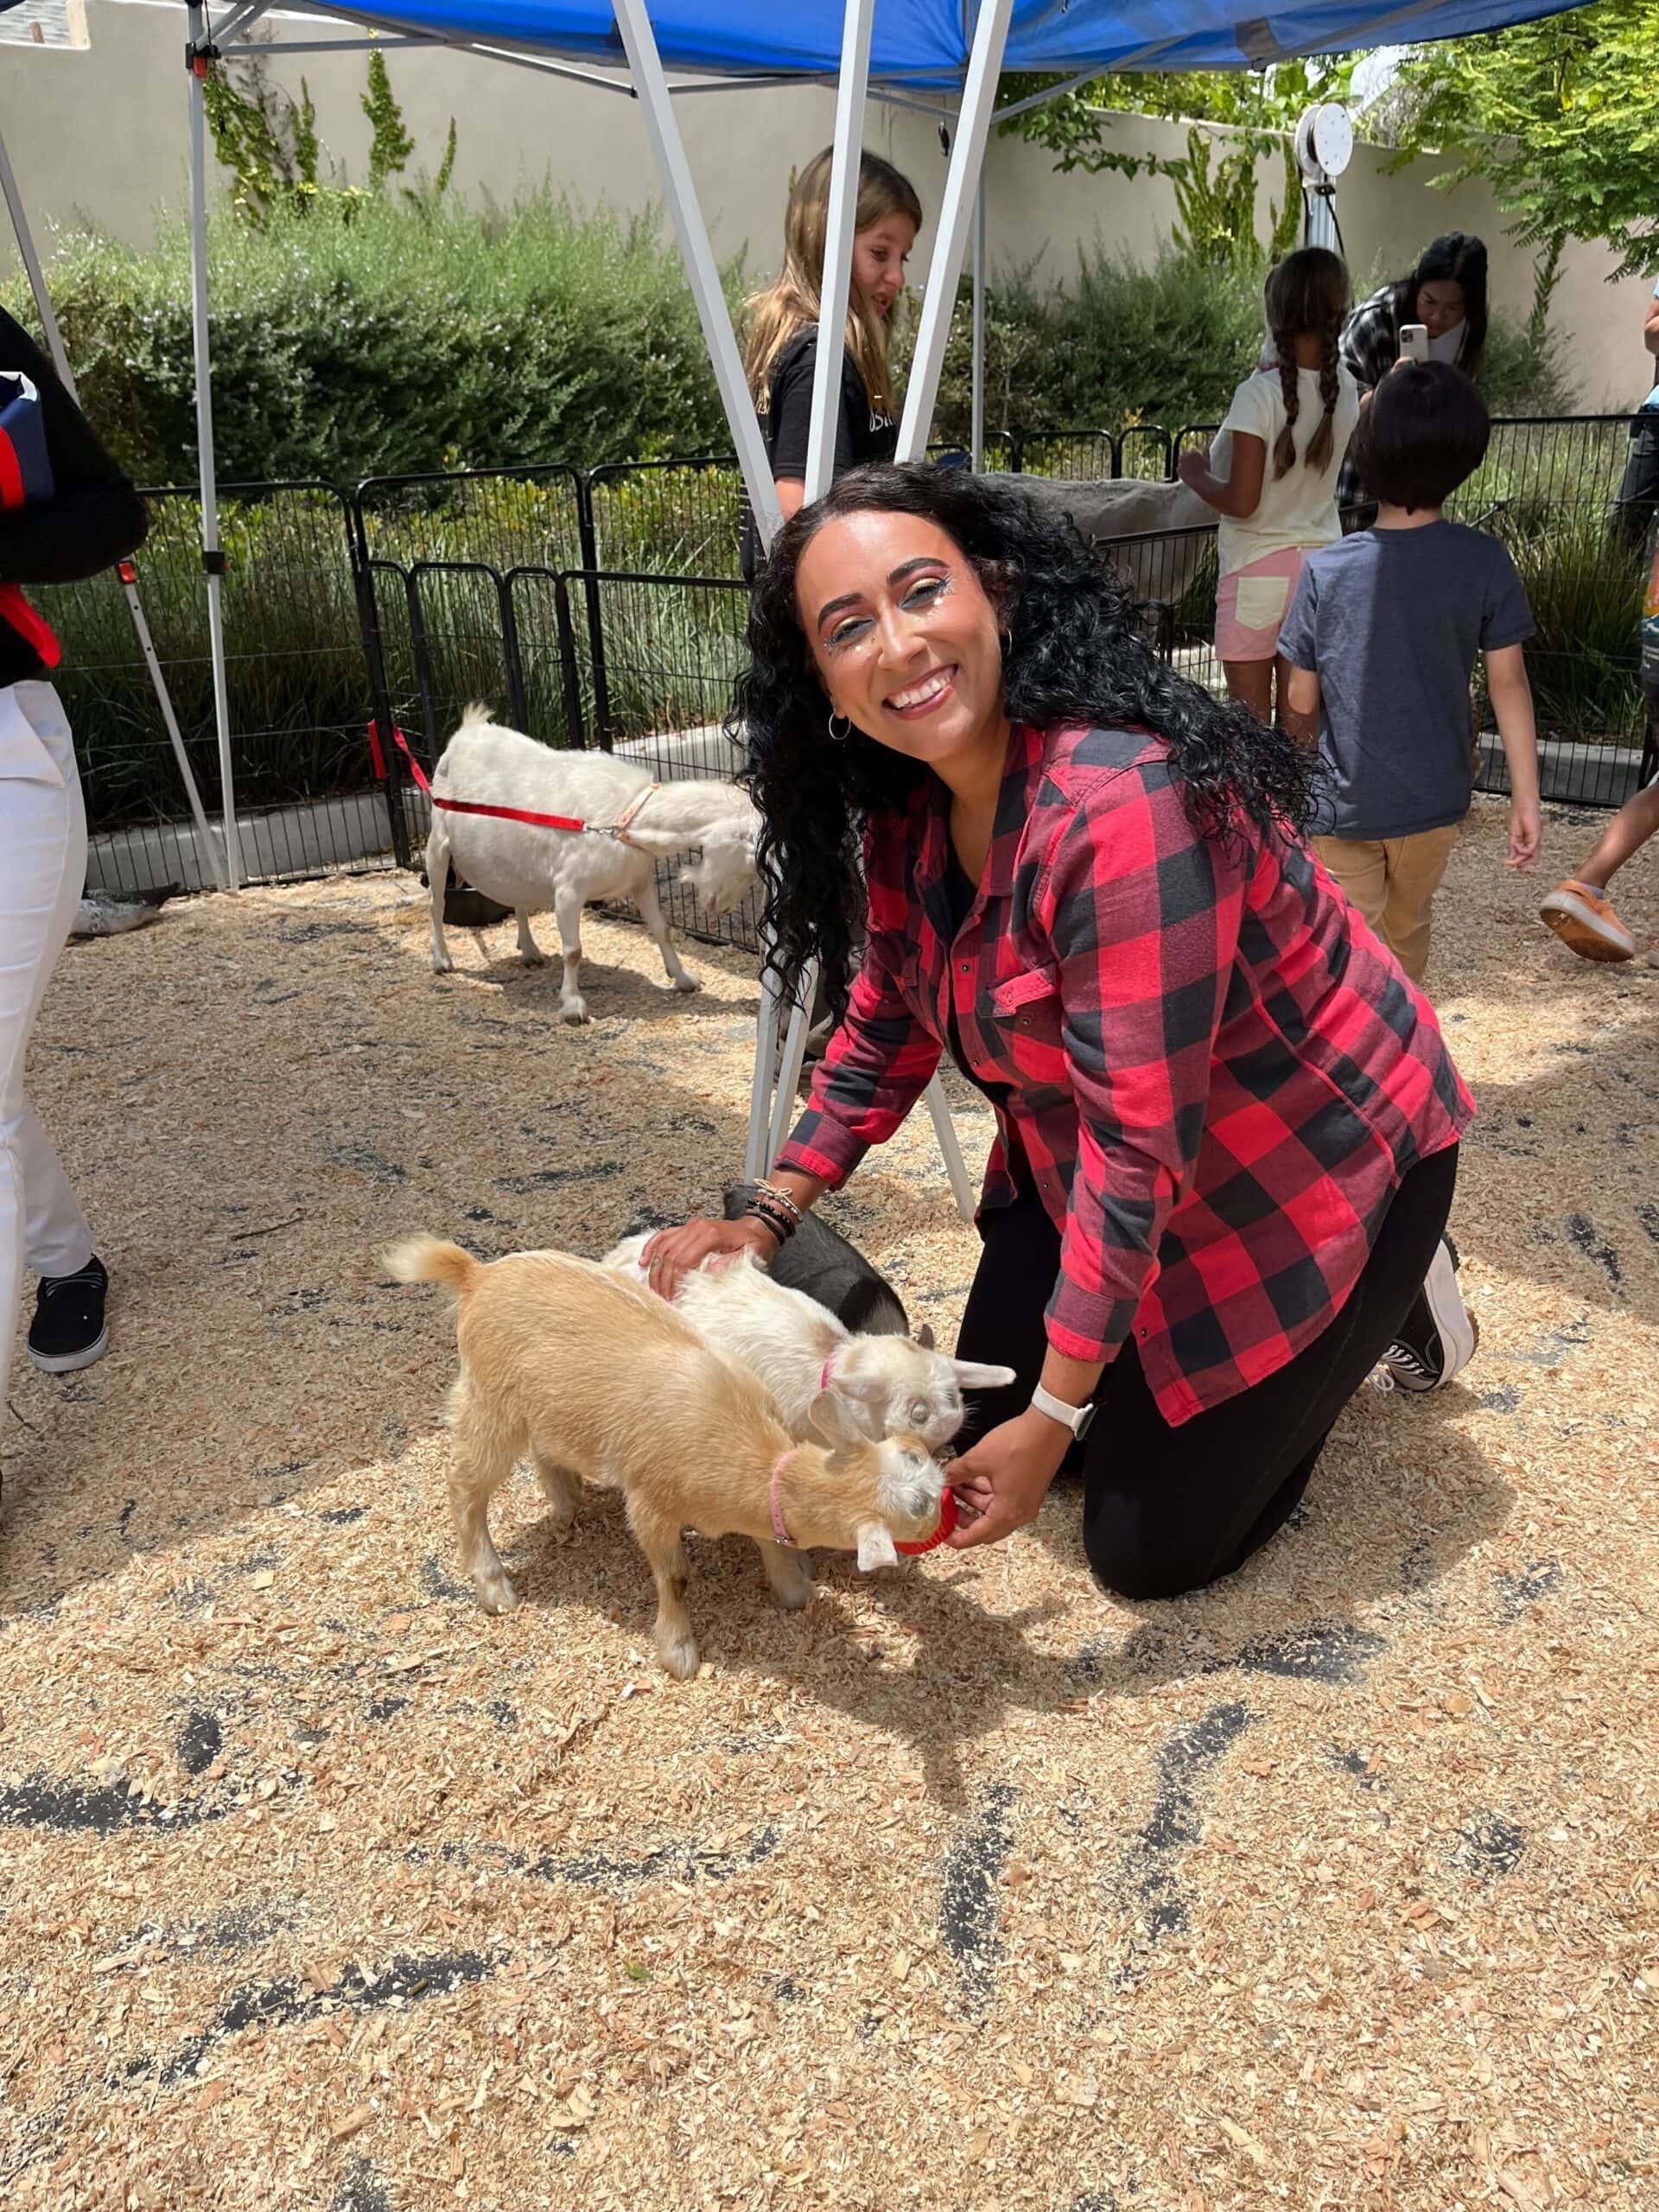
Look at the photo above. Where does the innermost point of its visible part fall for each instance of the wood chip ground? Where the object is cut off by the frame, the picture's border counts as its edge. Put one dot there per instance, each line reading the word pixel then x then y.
pixel 1330 1887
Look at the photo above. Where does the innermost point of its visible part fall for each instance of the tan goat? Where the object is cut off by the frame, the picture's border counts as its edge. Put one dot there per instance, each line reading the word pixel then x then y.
pixel 597 1381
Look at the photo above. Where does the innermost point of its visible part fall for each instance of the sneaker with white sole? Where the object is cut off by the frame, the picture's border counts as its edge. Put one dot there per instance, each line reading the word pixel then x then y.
pixel 1583 920
pixel 69 1330
pixel 1438 1337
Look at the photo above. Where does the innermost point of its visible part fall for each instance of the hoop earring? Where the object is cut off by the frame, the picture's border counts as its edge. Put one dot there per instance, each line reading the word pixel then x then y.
pixel 840 735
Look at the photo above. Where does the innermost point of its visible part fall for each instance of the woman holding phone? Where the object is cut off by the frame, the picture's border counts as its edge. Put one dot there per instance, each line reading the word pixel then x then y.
pixel 1437 312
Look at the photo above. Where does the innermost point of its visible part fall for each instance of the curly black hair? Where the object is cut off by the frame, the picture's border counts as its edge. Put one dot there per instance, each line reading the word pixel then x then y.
pixel 1077 650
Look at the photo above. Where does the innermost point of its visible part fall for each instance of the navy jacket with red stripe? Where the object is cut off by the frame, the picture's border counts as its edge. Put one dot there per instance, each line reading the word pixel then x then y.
pixel 92 518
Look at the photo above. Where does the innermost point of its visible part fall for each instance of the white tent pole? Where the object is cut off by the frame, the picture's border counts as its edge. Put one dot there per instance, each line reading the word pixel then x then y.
pixel 640 41
pixel 662 127
pixel 835 291
pixel 977 432
pixel 212 560
pixel 956 212
pixel 54 346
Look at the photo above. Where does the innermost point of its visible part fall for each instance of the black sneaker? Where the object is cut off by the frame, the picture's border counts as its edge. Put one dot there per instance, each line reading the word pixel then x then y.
pixel 69 1330
pixel 1438 1337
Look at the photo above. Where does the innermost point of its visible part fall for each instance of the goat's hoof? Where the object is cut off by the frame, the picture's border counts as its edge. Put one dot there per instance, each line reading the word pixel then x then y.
pixel 442 965
pixel 794 1596
pixel 575 1013
pixel 679 1654
pixel 686 984
pixel 496 1594
pixel 534 959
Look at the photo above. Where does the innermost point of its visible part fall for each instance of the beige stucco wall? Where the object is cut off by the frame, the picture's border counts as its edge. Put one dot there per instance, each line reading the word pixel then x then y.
pixel 101 134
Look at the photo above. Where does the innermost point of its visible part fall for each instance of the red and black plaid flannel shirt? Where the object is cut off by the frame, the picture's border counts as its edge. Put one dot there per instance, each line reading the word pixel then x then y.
pixel 1214 1073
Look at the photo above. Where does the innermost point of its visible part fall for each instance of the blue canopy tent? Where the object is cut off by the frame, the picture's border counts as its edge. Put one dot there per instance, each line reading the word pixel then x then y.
pixel 903 50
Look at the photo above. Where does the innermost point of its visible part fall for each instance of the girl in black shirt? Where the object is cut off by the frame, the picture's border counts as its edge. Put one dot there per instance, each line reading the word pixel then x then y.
pixel 781 351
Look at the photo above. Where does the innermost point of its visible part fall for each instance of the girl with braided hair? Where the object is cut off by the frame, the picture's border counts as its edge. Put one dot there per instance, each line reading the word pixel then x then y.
pixel 1272 471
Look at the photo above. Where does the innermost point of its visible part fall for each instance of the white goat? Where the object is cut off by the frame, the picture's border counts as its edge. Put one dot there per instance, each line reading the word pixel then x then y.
pixel 824 1381
pixel 600 1383
pixel 531 868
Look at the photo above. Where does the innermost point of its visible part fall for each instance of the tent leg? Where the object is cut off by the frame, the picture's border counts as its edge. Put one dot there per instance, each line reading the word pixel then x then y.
pixel 956 210
pixel 851 97
pixel 789 1069
pixel 662 127
pixel 54 346
pixel 756 1162
pixel 977 439
pixel 212 560
pixel 852 94
pixel 951 1147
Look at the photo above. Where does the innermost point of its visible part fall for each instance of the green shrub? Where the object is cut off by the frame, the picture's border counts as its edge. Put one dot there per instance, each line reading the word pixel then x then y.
pixel 1164 343
pixel 1585 591
pixel 357 341
pixel 1122 343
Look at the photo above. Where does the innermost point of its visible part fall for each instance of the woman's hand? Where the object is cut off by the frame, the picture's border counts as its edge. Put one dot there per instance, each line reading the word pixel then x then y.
pixel 1193 469
pixel 673 1254
pixel 1003 1482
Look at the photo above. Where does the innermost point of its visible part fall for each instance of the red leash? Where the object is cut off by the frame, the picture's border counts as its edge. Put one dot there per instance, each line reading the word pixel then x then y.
pixel 617 828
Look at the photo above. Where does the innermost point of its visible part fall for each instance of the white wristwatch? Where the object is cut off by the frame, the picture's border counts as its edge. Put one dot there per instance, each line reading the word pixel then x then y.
pixel 1078 1419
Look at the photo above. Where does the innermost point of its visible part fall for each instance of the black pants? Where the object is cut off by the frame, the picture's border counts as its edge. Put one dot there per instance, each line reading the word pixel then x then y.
pixel 1166 1509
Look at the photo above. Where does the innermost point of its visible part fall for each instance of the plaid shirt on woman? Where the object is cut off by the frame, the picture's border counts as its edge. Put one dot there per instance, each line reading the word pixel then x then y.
pixel 1211 1070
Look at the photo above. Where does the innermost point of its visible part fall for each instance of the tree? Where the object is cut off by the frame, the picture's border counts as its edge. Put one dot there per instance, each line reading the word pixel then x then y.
pixel 391 146
pixel 1214 207
pixel 1561 119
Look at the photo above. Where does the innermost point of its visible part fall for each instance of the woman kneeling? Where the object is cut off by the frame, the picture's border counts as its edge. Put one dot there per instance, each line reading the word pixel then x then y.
pixel 1227 1125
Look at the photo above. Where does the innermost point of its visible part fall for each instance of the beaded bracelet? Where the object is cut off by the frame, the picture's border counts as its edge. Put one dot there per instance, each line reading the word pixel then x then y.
pixel 778 1222
pixel 771 1191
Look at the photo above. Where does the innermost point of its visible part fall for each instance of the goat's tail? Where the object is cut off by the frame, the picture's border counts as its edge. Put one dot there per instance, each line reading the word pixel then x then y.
pixel 429 1259
pixel 471 712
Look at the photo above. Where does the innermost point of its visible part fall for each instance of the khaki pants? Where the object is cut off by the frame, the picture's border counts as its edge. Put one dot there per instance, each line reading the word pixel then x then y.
pixel 1392 881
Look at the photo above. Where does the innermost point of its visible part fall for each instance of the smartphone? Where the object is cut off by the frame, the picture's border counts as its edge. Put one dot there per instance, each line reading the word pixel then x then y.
pixel 1414 341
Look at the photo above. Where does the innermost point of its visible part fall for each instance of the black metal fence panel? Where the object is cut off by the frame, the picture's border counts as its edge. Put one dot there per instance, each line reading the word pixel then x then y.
pixel 299 696
pixel 606 609
pixel 673 647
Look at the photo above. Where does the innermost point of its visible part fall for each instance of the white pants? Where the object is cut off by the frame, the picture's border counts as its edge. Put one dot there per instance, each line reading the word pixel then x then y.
pixel 42 870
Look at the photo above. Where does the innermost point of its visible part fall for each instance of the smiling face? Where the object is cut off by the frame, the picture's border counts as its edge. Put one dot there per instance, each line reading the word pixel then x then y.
pixel 1441 305
pixel 878 257
pixel 904 637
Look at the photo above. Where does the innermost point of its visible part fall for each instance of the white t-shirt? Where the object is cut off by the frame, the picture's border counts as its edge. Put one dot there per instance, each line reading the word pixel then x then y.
pixel 1448 347
pixel 1300 508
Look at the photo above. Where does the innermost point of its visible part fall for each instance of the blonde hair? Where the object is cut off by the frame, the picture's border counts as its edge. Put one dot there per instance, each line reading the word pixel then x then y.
pixel 1308 292
pixel 786 307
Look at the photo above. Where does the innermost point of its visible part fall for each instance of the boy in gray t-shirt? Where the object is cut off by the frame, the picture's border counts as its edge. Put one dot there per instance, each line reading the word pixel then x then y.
pixel 1381 640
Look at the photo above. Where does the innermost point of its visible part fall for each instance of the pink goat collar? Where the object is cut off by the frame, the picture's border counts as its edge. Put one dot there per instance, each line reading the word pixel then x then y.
pixel 619 827
pixel 779 1526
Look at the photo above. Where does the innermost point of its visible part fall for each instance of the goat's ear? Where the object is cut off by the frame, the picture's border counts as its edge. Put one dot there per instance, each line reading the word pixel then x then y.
pixel 924 1335
pixel 875 1547
pixel 868 1389
pixel 972 1376
pixel 830 1416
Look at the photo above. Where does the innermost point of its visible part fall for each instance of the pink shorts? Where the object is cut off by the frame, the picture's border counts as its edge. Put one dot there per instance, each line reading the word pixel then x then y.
pixel 1252 602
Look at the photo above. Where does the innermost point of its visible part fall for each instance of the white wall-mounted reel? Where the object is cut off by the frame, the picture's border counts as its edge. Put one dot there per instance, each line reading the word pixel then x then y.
pixel 1324 146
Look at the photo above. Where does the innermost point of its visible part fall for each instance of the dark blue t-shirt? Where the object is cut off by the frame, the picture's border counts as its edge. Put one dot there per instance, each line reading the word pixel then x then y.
pixel 1390 621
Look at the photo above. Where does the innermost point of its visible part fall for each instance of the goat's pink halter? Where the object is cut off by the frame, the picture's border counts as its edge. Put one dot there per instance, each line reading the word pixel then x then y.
pixel 780 1527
